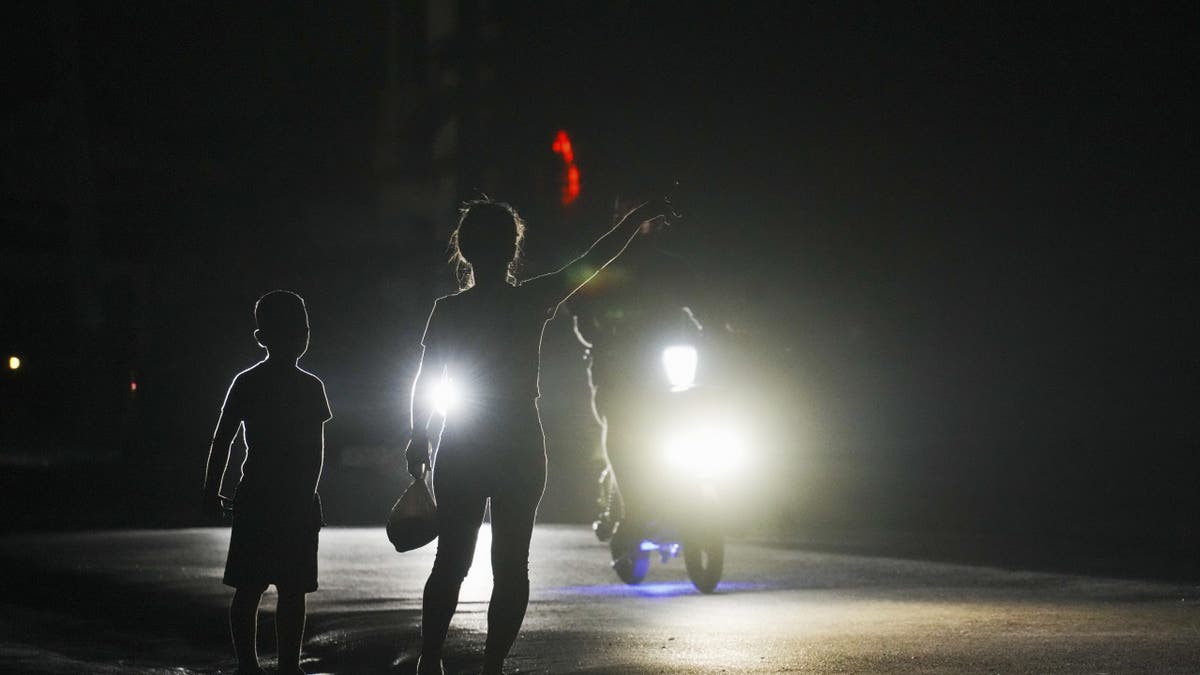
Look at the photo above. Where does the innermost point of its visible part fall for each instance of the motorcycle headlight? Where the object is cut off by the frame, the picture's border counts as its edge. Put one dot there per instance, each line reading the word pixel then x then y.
pixel 680 363
pixel 706 450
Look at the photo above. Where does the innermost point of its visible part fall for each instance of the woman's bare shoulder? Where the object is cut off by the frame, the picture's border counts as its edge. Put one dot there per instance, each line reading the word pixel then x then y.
pixel 544 291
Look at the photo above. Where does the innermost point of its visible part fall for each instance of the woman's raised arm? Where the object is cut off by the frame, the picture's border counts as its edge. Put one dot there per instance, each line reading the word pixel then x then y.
pixel 602 252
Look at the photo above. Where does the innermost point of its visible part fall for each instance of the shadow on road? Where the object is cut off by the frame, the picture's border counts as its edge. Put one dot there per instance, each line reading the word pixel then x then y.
pixel 95 619
pixel 68 621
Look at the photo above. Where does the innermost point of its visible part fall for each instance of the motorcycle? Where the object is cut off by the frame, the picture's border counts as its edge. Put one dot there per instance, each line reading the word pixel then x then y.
pixel 696 451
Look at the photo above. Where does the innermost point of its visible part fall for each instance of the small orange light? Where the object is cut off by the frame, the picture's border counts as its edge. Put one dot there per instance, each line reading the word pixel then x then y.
pixel 14 362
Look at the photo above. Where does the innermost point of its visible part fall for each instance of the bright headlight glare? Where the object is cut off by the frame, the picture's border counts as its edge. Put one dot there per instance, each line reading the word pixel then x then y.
pixel 677 452
pixel 705 450
pixel 680 363
pixel 445 396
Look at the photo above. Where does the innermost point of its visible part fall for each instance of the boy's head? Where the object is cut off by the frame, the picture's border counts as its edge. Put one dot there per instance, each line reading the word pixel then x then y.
pixel 282 324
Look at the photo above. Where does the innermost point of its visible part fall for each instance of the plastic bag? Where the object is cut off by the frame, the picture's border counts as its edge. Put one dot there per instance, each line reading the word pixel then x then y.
pixel 413 520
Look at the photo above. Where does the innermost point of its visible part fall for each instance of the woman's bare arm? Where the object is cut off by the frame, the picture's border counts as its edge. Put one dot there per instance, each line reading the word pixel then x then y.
pixel 421 406
pixel 602 252
pixel 421 410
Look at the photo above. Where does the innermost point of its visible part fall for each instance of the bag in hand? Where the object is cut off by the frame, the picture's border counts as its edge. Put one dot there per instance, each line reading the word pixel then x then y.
pixel 413 521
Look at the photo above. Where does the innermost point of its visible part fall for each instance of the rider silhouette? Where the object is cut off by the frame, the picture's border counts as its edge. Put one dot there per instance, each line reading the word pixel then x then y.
pixel 633 310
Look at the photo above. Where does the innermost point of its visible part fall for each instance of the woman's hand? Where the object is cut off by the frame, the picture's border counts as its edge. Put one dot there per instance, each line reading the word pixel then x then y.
pixel 215 508
pixel 417 454
pixel 657 213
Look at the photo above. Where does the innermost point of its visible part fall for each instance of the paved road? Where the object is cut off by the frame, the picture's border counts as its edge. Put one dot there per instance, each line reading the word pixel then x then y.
pixel 151 602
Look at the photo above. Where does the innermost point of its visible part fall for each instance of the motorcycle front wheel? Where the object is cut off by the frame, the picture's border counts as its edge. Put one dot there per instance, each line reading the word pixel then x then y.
pixel 704 557
pixel 630 566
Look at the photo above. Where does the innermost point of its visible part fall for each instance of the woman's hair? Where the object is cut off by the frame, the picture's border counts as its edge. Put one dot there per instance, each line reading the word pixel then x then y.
pixel 488 231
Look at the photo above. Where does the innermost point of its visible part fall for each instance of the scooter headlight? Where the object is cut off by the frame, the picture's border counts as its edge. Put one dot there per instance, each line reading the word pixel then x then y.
pixel 680 363
pixel 706 450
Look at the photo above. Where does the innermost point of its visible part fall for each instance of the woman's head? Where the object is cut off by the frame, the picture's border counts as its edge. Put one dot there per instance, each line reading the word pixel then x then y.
pixel 486 245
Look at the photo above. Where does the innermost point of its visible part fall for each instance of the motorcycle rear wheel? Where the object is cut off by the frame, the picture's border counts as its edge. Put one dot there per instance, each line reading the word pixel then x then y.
pixel 704 558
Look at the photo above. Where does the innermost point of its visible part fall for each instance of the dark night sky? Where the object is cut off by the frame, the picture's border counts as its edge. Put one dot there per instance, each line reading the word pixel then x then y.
pixel 965 230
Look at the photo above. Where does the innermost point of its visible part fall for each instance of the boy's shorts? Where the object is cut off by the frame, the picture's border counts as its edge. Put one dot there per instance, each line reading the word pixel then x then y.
pixel 269 547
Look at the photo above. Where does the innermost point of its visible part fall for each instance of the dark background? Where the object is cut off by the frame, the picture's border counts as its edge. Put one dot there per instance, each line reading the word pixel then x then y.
pixel 952 243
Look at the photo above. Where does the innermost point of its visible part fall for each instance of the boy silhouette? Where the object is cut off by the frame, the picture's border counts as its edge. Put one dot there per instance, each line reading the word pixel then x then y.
pixel 281 411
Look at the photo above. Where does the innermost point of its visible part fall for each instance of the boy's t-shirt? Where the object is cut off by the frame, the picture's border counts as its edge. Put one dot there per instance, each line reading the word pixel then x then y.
pixel 282 409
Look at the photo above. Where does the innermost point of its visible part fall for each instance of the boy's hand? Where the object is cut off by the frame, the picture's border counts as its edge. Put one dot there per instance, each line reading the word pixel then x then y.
pixel 417 455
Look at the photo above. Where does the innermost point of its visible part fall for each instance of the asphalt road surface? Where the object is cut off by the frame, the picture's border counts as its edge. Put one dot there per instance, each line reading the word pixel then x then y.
pixel 152 602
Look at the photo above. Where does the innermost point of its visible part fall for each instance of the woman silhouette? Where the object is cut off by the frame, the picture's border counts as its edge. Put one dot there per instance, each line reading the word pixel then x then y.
pixel 484 341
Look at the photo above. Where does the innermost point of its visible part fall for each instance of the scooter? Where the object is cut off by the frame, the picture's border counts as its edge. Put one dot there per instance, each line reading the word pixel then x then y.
pixel 697 451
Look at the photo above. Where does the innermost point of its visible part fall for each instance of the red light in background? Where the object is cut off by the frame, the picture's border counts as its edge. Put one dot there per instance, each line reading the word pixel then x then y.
pixel 562 146
pixel 132 385
pixel 572 189
pixel 570 186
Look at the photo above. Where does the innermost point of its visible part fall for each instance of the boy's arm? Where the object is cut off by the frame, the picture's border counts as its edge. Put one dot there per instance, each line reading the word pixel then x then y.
pixel 323 413
pixel 228 425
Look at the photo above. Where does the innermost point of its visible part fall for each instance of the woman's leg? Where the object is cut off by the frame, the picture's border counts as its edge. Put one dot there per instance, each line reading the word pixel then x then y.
pixel 243 623
pixel 514 507
pixel 289 628
pixel 460 513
